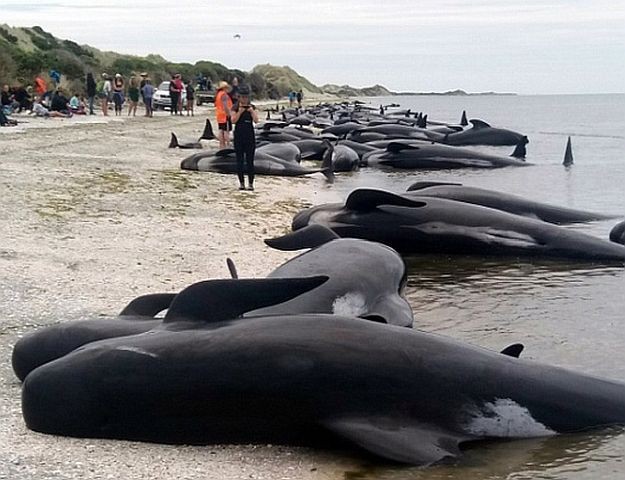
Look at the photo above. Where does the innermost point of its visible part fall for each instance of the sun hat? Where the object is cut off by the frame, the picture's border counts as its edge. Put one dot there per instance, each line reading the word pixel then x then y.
pixel 222 84
pixel 117 75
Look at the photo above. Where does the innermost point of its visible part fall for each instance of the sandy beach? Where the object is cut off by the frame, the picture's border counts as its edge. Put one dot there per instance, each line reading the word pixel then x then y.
pixel 97 211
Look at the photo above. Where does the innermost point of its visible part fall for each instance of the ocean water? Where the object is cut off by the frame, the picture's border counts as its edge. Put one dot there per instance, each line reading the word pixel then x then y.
pixel 565 313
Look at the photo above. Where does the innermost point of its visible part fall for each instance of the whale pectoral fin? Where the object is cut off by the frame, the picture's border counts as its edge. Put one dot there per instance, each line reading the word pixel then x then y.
pixel 148 305
pixel 477 124
pixel 422 185
pixel 396 147
pixel 401 441
pixel 484 235
pixel 513 350
pixel 365 199
pixel 224 152
pixel 218 300
pixel 308 237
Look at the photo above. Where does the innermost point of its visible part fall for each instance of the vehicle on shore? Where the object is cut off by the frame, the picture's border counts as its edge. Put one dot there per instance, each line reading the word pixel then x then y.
pixel 161 99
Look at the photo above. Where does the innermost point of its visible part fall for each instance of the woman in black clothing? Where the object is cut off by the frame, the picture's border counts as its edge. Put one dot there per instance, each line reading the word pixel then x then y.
pixel 244 116
pixel 91 88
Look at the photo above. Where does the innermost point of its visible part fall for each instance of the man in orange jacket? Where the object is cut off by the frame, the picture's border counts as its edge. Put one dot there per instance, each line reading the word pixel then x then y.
pixel 223 107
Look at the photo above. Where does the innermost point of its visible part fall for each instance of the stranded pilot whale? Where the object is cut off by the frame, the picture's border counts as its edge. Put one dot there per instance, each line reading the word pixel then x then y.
pixel 400 394
pixel 504 201
pixel 354 291
pixel 414 225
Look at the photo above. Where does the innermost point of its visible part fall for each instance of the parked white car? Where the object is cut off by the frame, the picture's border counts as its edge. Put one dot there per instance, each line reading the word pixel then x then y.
pixel 162 100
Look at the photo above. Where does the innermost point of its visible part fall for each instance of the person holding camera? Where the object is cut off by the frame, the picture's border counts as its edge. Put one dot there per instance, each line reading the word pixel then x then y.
pixel 244 116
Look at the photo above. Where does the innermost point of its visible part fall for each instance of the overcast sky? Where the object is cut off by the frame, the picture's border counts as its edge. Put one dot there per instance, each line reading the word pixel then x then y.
pixel 524 46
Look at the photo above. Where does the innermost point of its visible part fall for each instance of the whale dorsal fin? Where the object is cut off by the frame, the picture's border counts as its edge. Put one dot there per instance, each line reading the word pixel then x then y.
pixel 400 440
pixel 365 199
pixel 477 124
pixel 463 119
pixel 173 143
pixel 422 185
pixel 308 237
pixel 513 350
pixel 218 300
pixel 396 147
pixel 568 154
pixel 148 305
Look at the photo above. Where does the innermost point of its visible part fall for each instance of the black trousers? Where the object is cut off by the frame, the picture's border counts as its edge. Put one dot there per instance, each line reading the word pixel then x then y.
pixel 175 96
pixel 245 160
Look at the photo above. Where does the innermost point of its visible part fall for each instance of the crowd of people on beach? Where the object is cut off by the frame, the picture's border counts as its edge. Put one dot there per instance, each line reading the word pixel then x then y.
pixel 111 92
pixel 232 106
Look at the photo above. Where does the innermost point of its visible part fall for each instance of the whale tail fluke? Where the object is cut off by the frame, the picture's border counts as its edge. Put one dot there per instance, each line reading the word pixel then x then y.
pixel 208 134
pixel 520 151
pixel 568 154
pixel 173 143
pixel 327 165
pixel 463 120
pixel 232 268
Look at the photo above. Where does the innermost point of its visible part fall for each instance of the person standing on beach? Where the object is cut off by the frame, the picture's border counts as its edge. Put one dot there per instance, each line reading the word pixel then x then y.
pixel 234 90
pixel 118 93
pixel 223 107
pixel 190 97
pixel 244 116
pixel 91 90
pixel 300 95
pixel 148 92
pixel 133 95
pixel 105 94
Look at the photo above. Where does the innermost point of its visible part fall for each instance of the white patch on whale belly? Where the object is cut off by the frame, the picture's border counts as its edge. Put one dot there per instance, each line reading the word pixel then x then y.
pixel 504 418
pixel 349 305
pixel 137 350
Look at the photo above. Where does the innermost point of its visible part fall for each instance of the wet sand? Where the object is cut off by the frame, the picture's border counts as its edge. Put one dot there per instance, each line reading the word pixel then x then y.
pixel 97 211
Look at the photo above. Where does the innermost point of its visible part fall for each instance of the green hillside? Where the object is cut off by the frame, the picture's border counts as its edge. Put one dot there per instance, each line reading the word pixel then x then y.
pixel 28 52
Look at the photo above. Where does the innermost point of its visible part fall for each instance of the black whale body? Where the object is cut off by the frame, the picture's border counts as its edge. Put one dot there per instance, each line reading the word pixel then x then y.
pixel 504 201
pixel 413 155
pixel 413 225
pixel 481 133
pixel 304 378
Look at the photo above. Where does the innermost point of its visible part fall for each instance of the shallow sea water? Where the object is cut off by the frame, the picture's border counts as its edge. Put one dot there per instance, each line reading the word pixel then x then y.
pixel 565 313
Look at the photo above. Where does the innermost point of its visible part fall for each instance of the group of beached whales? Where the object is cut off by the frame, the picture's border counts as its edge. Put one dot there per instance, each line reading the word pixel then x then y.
pixel 351 136
pixel 324 350
pixel 321 352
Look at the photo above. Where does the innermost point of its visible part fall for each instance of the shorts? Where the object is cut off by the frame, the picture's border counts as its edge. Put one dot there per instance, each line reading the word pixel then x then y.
pixel 226 126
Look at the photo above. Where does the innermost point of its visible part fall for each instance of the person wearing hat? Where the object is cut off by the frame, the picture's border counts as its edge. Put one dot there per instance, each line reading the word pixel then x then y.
pixel 244 116
pixel 223 107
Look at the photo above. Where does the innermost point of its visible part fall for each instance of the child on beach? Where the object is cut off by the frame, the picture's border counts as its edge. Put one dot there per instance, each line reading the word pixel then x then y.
pixel 190 97
pixel 148 92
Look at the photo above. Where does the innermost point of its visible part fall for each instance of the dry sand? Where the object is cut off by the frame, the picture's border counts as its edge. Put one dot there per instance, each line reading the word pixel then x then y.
pixel 95 212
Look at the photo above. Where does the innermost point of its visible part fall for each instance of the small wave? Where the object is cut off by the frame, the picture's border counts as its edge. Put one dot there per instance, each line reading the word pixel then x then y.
pixel 589 135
